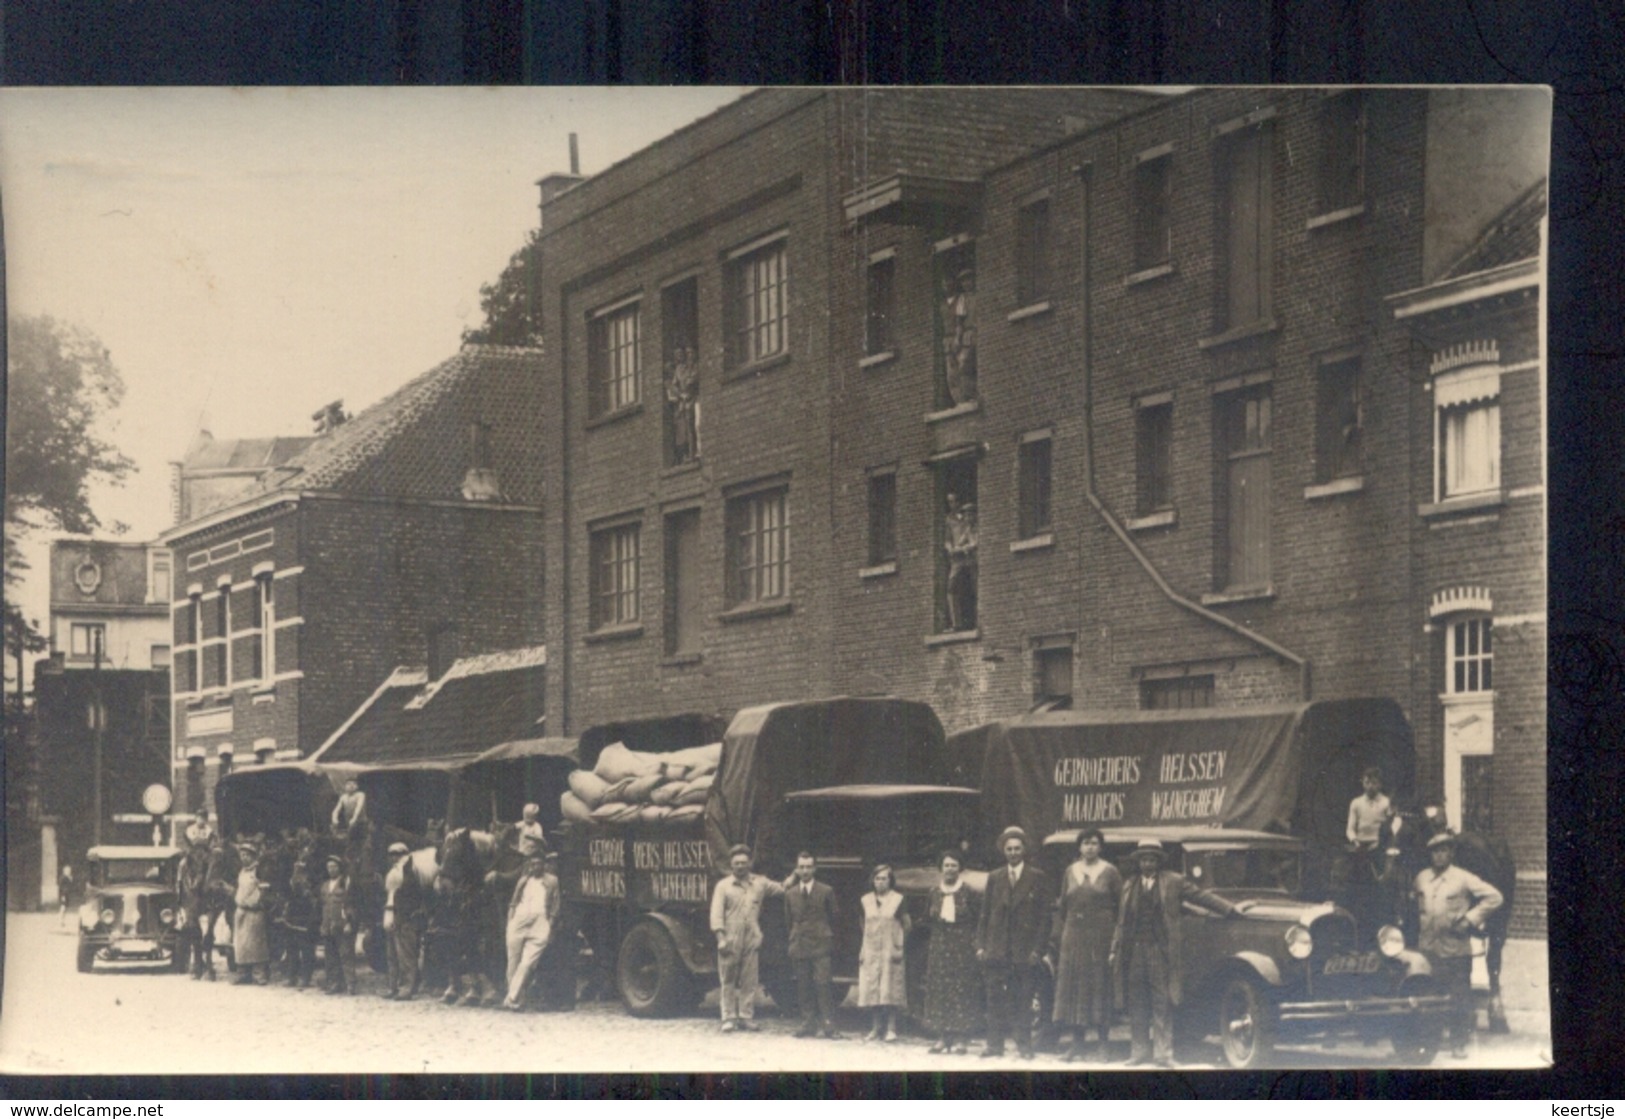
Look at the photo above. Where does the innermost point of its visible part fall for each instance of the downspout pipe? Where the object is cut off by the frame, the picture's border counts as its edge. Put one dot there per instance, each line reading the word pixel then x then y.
pixel 1112 522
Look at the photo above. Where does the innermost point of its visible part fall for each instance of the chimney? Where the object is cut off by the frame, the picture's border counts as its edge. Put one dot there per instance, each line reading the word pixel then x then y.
pixel 558 182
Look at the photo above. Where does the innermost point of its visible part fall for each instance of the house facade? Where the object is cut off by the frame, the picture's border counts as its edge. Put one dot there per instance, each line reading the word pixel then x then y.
pixel 410 533
pixel 1128 404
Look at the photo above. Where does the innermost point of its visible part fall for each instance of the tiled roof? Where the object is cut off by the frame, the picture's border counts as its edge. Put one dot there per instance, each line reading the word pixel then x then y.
pixel 1513 235
pixel 415 442
pixel 479 703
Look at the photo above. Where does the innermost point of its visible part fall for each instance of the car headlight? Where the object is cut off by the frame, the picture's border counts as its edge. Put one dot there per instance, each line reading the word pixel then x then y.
pixel 1299 943
pixel 1390 941
pixel 107 916
pixel 167 916
pixel 87 915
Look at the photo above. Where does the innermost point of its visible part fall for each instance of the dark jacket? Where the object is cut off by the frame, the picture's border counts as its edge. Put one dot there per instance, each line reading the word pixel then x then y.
pixel 1015 922
pixel 1173 892
pixel 812 919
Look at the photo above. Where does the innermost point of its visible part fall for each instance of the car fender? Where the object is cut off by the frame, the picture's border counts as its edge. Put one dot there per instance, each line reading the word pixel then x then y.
pixel 1259 965
pixel 1415 963
pixel 696 954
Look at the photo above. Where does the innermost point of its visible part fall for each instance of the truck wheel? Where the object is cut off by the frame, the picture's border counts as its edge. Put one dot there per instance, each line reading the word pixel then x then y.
pixel 781 988
pixel 1246 1025
pixel 87 957
pixel 652 978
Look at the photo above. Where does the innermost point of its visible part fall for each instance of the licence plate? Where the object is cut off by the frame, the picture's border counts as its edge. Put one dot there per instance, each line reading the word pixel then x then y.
pixel 135 944
pixel 1358 964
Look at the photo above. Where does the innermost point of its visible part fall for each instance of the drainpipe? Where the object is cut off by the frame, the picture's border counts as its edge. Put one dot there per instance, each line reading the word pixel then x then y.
pixel 1249 635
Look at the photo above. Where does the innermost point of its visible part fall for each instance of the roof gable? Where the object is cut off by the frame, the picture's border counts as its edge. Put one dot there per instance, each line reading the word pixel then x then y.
pixel 1513 235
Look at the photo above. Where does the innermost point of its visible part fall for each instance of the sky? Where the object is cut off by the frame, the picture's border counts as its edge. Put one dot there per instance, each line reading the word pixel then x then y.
pixel 248 255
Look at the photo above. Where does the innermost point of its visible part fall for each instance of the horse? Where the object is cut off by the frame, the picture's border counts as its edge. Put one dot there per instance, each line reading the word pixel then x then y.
pixel 408 894
pixel 191 884
pixel 219 899
pixel 1478 852
pixel 467 924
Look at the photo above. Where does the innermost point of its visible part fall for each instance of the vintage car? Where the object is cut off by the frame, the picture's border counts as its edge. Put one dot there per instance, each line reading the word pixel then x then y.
pixel 131 910
pixel 1280 965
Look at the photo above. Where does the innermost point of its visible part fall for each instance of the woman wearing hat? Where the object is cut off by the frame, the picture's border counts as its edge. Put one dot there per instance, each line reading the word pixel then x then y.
pixel 250 936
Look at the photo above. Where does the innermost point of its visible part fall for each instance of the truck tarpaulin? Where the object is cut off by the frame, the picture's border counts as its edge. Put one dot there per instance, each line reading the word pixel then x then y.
pixel 1289 768
pixel 781 747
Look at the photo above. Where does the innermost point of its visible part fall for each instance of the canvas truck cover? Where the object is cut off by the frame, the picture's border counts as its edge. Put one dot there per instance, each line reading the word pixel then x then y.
pixel 780 748
pixel 1287 768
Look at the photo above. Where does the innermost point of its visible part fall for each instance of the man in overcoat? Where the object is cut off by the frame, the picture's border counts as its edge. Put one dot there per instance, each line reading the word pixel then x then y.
pixel 736 909
pixel 1146 950
pixel 811 915
pixel 1010 941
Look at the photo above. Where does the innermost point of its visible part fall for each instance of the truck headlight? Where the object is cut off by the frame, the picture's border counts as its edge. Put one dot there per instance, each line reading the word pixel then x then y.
pixel 87 915
pixel 1299 943
pixel 107 916
pixel 167 916
pixel 1390 941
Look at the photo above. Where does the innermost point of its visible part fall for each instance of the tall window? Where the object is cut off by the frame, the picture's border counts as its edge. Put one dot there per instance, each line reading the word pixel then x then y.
pixel 189 667
pixel 880 304
pixel 264 592
pixel 615 562
pixel 1033 484
pixel 1153 455
pixel 882 517
pixel 954 277
pixel 682 605
pixel 1033 253
pixel 1177 693
pixel 1342 151
pixel 758 305
pixel 1469 656
pixel 1339 420
pixel 1152 189
pixel 1470 448
pixel 613 362
pixel 1052 673
pixel 958 538
pixel 1245 221
pixel 88 641
pixel 222 632
pixel 680 356
pixel 759 547
pixel 162 586
pixel 1244 449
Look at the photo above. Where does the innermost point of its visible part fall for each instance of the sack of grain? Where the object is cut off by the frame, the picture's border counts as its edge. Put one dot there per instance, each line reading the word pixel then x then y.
pixel 606 812
pixel 637 789
pixel 653 813
pixel 674 771
pixel 628 814
pixel 695 793
pixel 574 808
pixel 668 793
pixel 695 757
pixel 617 763
pixel 590 787
pixel 686 812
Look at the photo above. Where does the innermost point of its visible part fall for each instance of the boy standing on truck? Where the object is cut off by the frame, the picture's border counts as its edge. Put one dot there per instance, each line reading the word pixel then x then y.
pixel 1368 812
pixel 736 909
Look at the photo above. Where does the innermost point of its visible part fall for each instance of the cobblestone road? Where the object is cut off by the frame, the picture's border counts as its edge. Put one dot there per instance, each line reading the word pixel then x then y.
pixel 55 1020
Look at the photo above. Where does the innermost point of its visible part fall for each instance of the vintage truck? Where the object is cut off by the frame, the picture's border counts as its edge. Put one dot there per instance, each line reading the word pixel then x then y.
pixel 854 781
pixel 1251 804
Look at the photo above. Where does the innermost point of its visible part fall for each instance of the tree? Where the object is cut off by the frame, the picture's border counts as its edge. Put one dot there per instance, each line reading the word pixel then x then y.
pixel 60 381
pixel 512 315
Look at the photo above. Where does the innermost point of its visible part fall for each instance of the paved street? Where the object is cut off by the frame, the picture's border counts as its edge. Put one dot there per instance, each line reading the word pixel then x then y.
pixel 55 1020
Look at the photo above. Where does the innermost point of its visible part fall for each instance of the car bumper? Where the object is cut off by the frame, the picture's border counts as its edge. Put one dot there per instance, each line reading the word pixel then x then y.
pixel 132 948
pixel 1331 1011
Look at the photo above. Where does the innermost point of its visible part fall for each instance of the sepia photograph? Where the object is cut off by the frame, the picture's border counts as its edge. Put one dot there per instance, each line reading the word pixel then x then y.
pixel 635 580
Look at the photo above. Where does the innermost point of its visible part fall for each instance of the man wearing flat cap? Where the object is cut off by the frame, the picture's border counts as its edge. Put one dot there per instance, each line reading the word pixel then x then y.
pixel 404 915
pixel 339 921
pixel 1010 940
pixel 1146 950
pixel 1452 903
pixel 736 910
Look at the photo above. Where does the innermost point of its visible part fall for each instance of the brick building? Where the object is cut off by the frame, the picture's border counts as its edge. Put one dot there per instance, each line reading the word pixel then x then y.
pixel 410 534
pixel 1176 361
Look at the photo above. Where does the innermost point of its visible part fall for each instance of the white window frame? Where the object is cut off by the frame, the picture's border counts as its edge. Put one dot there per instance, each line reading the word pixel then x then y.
pixel 616 550
pixel 1478 662
pixel 266 609
pixel 76 630
pixel 758 546
pixel 758 303
pixel 1458 397
pixel 616 360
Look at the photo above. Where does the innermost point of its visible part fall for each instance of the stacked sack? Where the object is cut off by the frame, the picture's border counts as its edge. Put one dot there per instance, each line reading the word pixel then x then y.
pixel 631 786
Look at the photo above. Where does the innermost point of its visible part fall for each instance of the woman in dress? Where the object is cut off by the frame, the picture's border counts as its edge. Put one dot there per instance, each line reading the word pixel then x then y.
pixel 953 983
pixel 1085 916
pixel 250 937
pixel 880 961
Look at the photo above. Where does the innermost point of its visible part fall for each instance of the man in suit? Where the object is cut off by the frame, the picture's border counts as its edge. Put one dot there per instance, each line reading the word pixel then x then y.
pixel 811 914
pixel 1146 950
pixel 1010 941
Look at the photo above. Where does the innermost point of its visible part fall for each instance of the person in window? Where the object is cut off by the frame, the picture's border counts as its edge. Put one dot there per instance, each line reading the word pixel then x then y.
pixel 683 394
pixel 959 541
pixel 1085 918
pixel 959 342
pixel 953 988
pixel 881 985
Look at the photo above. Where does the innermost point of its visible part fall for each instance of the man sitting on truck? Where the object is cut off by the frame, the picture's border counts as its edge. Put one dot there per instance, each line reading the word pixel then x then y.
pixel 736 908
